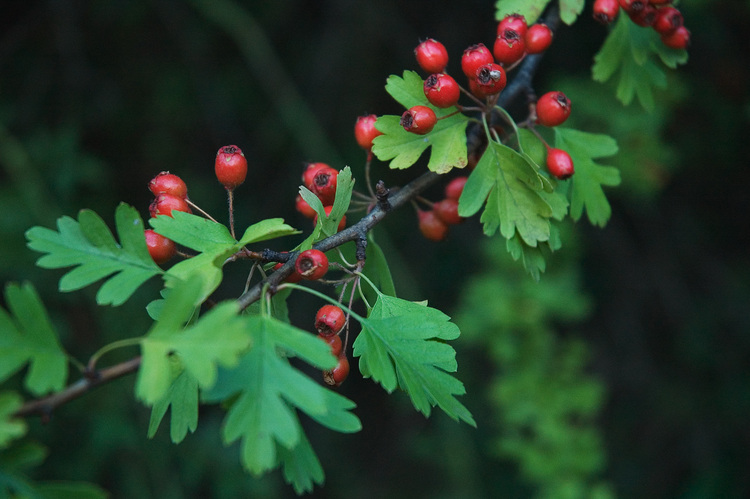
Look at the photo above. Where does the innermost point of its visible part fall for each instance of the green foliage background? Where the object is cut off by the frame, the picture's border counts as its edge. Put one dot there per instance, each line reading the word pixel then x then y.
pixel 635 344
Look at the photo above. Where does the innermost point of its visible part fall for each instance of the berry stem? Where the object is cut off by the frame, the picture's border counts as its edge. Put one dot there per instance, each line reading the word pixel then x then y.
pixel 367 174
pixel 230 197
pixel 198 208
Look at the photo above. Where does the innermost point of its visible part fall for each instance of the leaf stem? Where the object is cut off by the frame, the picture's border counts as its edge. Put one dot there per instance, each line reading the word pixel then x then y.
pixel 127 342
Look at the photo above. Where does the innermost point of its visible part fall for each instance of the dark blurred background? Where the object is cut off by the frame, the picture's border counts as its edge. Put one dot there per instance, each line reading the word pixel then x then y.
pixel 635 341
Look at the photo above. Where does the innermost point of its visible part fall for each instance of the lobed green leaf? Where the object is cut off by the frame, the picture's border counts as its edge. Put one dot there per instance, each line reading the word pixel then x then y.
pixel 10 428
pixel 529 9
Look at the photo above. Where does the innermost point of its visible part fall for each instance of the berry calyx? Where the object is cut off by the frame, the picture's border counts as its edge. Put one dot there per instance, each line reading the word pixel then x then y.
pixel 168 183
pixel 303 207
pixel 159 247
pixel 324 185
pixel 309 174
pixel 328 210
pixel 165 204
pixel 431 56
pixel 334 341
pixel 447 211
pixel 455 187
pixel 311 264
pixel 515 22
pixel 329 320
pixel 552 109
pixel 633 6
pixel 679 39
pixel 338 374
pixel 538 38
pixel 441 90
pixel 365 131
pixel 559 163
pixel 644 17
pixel 491 79
pixel 230 167
pixel 419 120
pixel 473 58
pixel 605 11
pixel 509 47
pixel 668 19
pixel 431 226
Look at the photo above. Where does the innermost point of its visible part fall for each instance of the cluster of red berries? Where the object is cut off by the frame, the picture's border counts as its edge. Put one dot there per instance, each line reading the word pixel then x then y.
pixel 660 15
pixel 329 322
pixel 171 195
pixel 552 109
pixel 434 223
pixel 321 179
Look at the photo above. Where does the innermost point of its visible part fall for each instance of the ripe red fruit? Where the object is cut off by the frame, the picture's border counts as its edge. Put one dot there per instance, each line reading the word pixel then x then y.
pixel 441 90
pixel 165 204
pixel 668 19
pixel 605 11
pixel 310 170
pixel 538 38
pixel 328 209
pixel 552 109
pixel 455 187
pixel 679 39
pixel 419 120
pixel 334 341
pixel 474 57
pixel 509 47
pixel 159 247
pixel 633 6
pixel 431 226
pixel 293 277
pixel 324 185
pixel 447 211
pixel 516 22
pixel 329 320
pixel 230 167
pixel 491 79
pixel 339 373
pixel 644 17
pixel 431 56
pixel 303 207
pixel 365 131
pixel 311 264
pixel 559 163
pixel 168 183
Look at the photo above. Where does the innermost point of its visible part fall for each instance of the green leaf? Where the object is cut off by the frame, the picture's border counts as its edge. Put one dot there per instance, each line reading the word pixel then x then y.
pixel 27 336
pixel 265 230
pixel 70 490
pixel 515 203
pixel 182 396
pixel 403 344
pixel 268 389
pixel 529 9
pixel 634 52
pixel 403 149
pixel 89 245
pixel 217 338
pixel 10 428
pixel 301 466
pixel 534 259
pixel 570 9
pixel 586 190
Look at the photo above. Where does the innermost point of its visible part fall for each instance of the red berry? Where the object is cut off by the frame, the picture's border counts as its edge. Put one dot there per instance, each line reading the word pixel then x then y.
pixel 365 131
pixel 447 211
pixel 303 207
pixel 552 109
pixel 431 226
pixel 165 204
pixel 431 56
pixel 491 79
pixel 644 17
pixel 339 373
pixel 441 90
pixel 419 120
pixel 311 264
pixel 474 57
pixel 509 47
pixel 329 320
pixel 159 247
pixel 334 341
pixel 309 174
pixel 538 38
pixel 230 166
pixel 516 22
pixel 324 185
pixel 668 19
pixel 679 39
pixel 633 6
pixel 168 183
pixel 293 277
pixel 605 11
pixel 559 163
pixel 455 187
pixel 328 209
